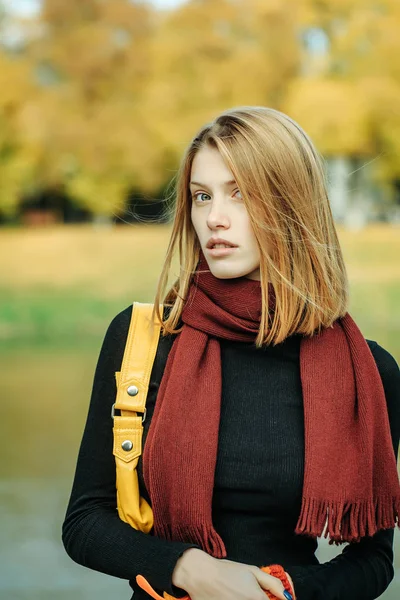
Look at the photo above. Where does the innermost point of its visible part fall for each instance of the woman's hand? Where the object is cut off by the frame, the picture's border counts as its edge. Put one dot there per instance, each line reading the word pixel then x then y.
pixel 207 578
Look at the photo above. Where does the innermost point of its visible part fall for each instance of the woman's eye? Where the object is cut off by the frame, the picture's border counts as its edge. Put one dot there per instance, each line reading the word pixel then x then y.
pixel 198 194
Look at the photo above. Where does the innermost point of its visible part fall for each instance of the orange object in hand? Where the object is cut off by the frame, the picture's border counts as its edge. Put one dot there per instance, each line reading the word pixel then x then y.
pixel 279 572
pixel 144 584
pixel 274 570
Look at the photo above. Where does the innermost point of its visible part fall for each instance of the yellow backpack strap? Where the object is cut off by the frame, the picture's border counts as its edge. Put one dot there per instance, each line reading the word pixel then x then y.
pixel 132 387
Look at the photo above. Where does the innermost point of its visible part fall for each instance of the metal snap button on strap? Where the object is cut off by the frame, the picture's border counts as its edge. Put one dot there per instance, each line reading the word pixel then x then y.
pixel 127 445
pixel 132 390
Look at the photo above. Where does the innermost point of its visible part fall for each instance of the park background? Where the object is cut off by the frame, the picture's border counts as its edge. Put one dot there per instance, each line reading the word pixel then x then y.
pixel 98 100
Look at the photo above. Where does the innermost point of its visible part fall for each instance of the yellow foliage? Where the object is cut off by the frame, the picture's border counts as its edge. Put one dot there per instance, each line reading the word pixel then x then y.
pixel 106 95
pixel 334 113
pixel 98 192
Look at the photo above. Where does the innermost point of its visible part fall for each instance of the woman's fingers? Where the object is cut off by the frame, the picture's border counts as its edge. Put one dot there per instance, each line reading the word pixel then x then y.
pixel 269 583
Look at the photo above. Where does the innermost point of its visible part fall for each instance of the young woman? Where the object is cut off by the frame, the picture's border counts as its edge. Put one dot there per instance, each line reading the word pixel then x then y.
pixel 270 419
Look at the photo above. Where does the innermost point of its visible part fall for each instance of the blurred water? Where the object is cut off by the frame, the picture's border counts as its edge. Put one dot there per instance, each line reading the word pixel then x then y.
pixel 33 563
pixel 45 400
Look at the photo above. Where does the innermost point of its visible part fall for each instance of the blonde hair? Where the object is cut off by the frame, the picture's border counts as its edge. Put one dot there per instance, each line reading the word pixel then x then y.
pixel 282 181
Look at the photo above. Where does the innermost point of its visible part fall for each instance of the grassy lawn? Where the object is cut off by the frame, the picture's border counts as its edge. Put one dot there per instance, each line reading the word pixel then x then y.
pixel 61 286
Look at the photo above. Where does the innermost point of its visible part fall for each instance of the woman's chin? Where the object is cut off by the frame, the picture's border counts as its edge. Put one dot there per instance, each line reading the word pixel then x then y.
pixel 228 272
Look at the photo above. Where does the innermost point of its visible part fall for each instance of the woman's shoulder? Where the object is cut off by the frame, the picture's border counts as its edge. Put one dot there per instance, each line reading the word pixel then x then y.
pixel 119 325
pixel 117 330
pixel 385 361
pixel 116 335
pixel 390 374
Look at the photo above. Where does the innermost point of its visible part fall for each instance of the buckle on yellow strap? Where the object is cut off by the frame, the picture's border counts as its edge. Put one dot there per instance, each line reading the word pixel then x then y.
pixel 113 413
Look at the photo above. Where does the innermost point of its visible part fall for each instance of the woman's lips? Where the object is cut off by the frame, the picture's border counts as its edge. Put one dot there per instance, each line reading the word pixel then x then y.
pixel 220 252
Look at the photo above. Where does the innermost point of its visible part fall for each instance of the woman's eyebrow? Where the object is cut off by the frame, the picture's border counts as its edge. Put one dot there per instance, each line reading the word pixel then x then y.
pixel 226 183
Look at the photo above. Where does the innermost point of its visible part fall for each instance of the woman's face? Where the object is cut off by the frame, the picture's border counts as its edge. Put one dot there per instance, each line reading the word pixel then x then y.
pixel 218 211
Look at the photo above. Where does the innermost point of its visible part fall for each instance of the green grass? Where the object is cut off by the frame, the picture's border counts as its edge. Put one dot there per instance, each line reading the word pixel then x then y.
pixel 54 319
pixel 61 286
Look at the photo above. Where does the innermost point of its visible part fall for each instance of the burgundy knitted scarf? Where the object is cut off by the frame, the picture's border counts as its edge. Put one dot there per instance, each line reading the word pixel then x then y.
pixel 351 486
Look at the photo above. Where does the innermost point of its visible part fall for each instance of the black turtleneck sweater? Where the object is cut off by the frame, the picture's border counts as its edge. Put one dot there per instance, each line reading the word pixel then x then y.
pixel 258 477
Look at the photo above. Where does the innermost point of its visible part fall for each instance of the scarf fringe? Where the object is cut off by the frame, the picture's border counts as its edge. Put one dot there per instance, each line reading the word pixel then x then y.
pixel 206 537
pixel 347 521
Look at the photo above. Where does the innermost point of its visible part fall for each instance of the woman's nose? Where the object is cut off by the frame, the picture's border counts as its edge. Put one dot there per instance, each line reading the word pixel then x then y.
pixel 217 217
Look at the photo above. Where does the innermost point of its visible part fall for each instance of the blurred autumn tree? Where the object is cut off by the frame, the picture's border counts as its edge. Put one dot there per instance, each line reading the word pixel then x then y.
pixel 209 55
pixel 347 93
pixel 16 158
pixel 93 64
pixel 101 97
